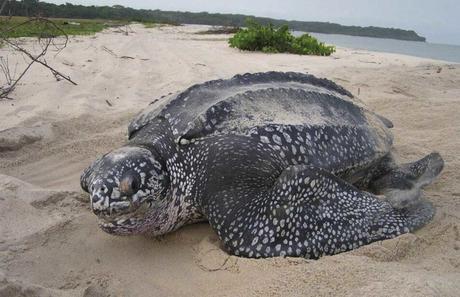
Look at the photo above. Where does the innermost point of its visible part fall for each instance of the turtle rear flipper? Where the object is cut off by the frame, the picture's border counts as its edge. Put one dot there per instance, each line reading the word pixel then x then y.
pixel 402 185
pixel 308 212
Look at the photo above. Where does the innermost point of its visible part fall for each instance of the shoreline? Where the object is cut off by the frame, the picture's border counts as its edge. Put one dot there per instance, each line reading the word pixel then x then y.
pixel 436 51
pixel 426 59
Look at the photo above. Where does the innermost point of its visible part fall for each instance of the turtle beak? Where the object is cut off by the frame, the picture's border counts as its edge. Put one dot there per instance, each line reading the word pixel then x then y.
pixel 108 202
pixel 100 198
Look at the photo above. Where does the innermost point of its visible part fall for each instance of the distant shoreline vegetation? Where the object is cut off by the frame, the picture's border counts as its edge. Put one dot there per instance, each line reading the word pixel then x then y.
pixel 118 12
pixel 269 39
pixel 19 26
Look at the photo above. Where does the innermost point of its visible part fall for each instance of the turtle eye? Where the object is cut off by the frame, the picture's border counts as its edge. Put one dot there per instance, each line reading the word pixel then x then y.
pixel 134 185
pixel 129 184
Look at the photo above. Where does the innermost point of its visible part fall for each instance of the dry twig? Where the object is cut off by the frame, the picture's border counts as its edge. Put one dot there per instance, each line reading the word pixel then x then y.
pixel 47 40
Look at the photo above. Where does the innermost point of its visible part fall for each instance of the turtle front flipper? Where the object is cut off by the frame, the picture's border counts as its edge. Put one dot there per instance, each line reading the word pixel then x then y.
pixel 308 212
pixel 402 185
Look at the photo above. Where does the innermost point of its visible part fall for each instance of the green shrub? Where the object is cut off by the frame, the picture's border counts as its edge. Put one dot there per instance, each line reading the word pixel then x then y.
pixel 309 45
pixel 268 39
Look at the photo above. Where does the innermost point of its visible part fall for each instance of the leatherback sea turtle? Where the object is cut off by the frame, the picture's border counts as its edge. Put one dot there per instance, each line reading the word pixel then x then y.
pixel 280 164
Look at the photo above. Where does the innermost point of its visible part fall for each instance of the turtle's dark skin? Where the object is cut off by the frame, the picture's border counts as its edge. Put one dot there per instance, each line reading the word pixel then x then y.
pixel 280 164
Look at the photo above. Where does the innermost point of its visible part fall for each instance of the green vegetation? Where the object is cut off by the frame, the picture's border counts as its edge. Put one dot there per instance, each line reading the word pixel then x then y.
pixel 118 12
pixel 219 30
pixel 150 25
pixel 23 27
pixel 309 45
pixel 268 39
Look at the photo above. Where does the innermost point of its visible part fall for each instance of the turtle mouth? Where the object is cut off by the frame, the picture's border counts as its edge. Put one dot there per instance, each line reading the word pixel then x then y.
pixel 128 214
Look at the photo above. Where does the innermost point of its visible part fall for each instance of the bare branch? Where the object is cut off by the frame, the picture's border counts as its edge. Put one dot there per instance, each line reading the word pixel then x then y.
pixel 47 40
pixel 6 91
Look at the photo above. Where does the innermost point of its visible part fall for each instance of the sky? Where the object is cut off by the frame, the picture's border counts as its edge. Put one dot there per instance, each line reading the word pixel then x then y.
pixel 437 20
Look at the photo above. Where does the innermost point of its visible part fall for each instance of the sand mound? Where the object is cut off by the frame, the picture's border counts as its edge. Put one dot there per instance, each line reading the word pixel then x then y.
pixel 17 137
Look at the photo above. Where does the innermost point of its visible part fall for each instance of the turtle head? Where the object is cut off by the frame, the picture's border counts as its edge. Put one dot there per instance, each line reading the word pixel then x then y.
pixel 127 188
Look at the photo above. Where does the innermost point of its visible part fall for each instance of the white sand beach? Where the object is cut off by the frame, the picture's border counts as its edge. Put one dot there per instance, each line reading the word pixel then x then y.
pixel 50 244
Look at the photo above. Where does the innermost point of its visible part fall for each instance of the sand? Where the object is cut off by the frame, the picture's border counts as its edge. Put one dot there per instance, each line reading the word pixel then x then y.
pixel 50 244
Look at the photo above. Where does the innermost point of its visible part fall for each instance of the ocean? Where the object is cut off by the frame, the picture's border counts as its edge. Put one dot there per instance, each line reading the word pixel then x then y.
pixel 445 52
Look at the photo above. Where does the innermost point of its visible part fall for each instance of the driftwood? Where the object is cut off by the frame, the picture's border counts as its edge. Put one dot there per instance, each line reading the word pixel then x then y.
pixel 50 38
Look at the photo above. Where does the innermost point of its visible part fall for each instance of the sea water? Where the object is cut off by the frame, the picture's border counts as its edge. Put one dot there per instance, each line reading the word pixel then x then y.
pixel 445 52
